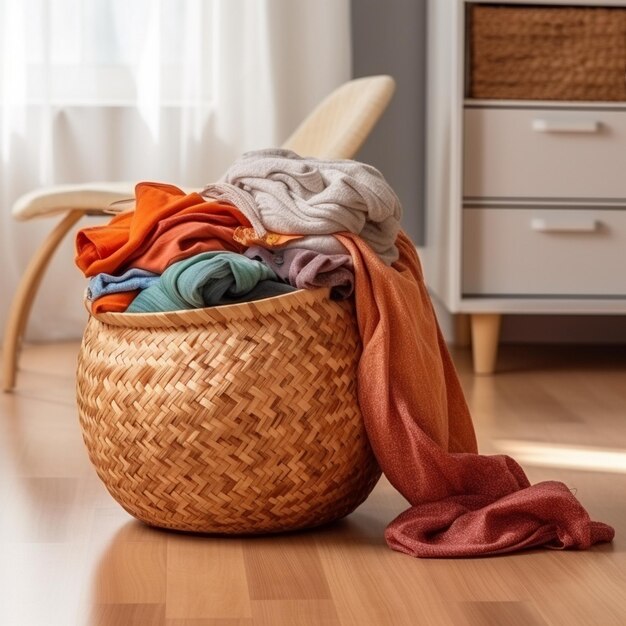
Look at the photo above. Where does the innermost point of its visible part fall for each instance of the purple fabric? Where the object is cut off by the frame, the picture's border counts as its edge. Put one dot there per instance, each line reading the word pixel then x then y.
pixel 307 269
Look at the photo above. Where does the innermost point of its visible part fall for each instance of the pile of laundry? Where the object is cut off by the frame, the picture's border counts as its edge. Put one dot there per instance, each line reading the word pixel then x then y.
pixel 264 230
pixel 277 221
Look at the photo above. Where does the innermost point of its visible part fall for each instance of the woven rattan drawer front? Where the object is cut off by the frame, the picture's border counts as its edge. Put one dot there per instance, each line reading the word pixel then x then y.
pixel 513 252
pixel 541 153
pixel 547 53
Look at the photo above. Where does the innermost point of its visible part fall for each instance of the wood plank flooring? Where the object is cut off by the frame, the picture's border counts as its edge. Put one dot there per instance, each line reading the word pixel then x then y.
pixel 69 555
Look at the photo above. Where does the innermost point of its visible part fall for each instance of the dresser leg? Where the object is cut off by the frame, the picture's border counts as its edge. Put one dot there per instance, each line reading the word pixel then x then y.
pixel 485 333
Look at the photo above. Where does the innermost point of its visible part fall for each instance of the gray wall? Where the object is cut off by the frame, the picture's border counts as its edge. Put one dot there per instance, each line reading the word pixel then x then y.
pixel 388 37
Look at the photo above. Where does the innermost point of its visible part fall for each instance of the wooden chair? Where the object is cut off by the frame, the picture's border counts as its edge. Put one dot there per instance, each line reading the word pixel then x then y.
pixel 335 129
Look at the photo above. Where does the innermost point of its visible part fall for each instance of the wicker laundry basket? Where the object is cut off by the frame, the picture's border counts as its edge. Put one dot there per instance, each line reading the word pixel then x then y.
pixel 547 52
pixel 233 419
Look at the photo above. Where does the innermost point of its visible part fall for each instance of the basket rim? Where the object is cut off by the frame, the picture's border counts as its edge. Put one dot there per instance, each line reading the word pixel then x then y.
pixel 215 314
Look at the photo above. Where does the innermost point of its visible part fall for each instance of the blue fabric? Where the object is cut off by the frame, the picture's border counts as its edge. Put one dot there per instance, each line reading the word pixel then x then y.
pixel 103 284
pixel 209 279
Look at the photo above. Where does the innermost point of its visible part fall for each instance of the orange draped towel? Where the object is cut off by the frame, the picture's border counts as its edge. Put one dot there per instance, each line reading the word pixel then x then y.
pixel 419 426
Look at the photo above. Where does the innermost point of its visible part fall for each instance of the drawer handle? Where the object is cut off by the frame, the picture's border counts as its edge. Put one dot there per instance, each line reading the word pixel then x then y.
pixel 564 225
pixel 565 126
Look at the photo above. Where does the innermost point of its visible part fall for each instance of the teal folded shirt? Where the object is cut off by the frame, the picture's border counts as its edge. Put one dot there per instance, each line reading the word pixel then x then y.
pixel 209 279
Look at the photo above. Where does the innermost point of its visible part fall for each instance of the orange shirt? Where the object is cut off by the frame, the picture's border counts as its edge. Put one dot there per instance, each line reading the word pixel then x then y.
pixel 113 246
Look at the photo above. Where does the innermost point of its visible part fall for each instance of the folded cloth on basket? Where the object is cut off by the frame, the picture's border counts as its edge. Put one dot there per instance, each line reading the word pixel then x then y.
pixel 280 191
pixel 122 242
pixel 113 302
pixel 103 284
pixel 209 279
pixel 419 426
pixel 306 269
pixel 249 237
pixel 182 236
pixel 324 244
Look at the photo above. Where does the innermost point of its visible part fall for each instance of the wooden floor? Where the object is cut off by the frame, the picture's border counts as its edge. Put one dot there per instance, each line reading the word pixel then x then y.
pixel 69 555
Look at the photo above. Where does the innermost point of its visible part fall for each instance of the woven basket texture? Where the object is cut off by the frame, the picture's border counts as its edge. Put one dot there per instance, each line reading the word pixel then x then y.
pixel 233 419
pixel 547 53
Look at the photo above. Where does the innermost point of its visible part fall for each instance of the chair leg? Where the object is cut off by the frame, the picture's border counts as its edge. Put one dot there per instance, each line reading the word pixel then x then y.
pixel 25 294
pixel 485 334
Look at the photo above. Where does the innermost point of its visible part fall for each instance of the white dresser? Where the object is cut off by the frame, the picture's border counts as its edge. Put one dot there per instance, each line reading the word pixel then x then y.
pixel 525 199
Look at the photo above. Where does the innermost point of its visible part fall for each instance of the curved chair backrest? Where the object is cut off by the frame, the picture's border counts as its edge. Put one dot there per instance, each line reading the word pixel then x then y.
pixel 340 124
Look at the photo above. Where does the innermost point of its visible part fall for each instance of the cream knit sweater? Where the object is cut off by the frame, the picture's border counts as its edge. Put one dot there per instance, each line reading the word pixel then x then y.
pixel 279 191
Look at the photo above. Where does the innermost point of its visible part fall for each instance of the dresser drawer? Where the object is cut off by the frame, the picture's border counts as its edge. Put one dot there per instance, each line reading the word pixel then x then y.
pixel 544 153
pixel 547 52
pixel 544 252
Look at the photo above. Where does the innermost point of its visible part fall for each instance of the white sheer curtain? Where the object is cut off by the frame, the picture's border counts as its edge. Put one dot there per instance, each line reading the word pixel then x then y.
pixel 168 90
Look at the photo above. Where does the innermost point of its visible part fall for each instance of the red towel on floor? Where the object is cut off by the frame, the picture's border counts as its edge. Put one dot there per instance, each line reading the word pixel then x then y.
pixel 145 232
pixel 419 426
